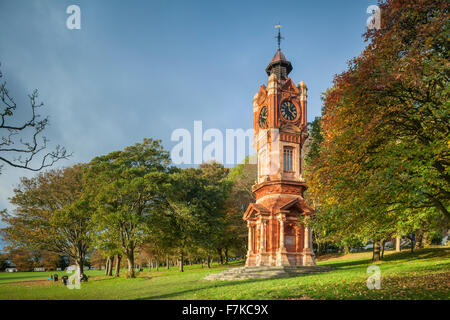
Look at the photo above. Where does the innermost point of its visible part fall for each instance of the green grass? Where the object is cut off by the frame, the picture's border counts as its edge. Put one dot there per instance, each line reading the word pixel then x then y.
pixel 424 274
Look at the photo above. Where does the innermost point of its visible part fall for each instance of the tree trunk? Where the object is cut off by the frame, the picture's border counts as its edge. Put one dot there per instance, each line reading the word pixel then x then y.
pixel 167 262
pixel 226 255
pixel 398 247
pixel 80 264
pixel 346 249
pixel 412 242
pixel 220 257
pixel 157 263
pixel 382 249
pixel 419 239
pixel 108 262
pixel 209 261
pixel 117 272
pixel 130 260
pixel 181 260
pixel 376 251
pixel 111 262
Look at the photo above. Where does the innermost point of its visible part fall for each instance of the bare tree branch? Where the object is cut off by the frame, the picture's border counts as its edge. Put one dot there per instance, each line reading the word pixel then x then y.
pixel 19 151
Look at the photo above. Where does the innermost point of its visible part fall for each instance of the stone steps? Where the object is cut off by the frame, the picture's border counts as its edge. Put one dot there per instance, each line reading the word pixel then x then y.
pixel 265 272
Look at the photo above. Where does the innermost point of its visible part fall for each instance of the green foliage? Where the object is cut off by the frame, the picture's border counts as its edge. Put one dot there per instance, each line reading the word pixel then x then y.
pixel 123 187
pixel 316 141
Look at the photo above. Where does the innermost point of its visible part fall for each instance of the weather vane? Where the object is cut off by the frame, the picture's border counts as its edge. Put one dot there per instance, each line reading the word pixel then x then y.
pixel 279 37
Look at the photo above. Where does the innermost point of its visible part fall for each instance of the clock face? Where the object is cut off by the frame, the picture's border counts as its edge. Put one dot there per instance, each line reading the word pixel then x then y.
pixel 263 118
pixel 288 111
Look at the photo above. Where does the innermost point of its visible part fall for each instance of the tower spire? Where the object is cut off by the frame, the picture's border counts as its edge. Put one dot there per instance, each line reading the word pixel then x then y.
pixel 279 65
pixel 279 37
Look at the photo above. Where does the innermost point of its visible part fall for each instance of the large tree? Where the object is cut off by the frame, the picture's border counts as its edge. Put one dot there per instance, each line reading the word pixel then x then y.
pixel 218 240
pixel 382 167
pixel 21 142
pixel 124 190
pixel 193 212
pixel 242 178
pixel 51 214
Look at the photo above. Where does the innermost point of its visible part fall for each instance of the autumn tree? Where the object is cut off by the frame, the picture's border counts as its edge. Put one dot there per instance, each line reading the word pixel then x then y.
pixel 51 214
pixel 4 262
pixel 23 259
pixel 382 167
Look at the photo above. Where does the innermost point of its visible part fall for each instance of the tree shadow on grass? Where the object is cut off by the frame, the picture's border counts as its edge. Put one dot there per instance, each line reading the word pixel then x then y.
pixel 24 278
pixel 346 264
pixel 224 283
pixel 418 254
pixel 426 253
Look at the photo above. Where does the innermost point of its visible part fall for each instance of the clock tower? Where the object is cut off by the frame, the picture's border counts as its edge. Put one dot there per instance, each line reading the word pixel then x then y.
pixel 276 233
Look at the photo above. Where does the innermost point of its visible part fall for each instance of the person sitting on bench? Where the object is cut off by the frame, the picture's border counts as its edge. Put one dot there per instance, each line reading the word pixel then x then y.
pixel 83 277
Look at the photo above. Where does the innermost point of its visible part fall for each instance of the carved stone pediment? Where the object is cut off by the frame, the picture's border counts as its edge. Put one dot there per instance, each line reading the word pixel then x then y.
pixel 290 128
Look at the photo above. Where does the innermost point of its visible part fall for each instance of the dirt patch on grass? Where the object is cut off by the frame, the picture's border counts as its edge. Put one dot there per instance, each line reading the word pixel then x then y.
pixel 30 283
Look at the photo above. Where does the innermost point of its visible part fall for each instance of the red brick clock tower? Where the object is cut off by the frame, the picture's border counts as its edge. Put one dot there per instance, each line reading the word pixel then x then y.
pixel 275 235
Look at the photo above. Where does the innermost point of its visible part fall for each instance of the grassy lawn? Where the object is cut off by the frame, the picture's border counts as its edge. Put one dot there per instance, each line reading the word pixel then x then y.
pixel 424 274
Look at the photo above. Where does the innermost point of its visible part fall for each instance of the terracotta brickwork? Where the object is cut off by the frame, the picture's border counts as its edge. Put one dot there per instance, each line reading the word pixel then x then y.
pixel 275 235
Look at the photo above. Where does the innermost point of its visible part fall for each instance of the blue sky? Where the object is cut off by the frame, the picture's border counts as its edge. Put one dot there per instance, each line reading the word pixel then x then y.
pixel 144 68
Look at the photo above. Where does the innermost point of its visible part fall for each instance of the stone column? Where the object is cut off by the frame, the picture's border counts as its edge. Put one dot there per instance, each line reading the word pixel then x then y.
pixel 263 235
pixel 249 251
pixel 308 253
pixel 282 247
pixel 249 226
pixel 307 237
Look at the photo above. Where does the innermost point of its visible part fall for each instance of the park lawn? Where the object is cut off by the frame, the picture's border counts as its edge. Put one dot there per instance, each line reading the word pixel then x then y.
pixel 424 274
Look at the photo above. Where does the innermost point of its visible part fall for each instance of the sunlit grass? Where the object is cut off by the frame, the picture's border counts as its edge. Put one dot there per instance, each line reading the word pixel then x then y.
pixel 424 274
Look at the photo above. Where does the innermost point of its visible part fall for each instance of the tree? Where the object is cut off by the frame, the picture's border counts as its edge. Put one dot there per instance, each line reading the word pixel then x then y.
pixel 382 167
pixel 21 142
pixel 242 177
pixel 219 239
pixel 97 259
pixel 124 190
pixel 192 214
pixel 4 262
pixel 51 214
pixel 23 259
pixel 50 260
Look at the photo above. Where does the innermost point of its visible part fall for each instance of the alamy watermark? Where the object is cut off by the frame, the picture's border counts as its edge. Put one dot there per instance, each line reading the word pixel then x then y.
pixel 374 280
pixel 74 281
pixel 374 21
pixel 74 20
pixel 202 145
